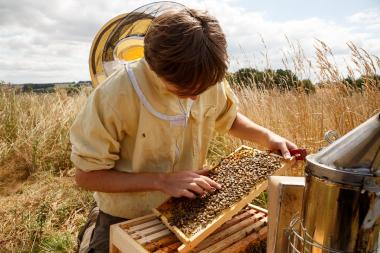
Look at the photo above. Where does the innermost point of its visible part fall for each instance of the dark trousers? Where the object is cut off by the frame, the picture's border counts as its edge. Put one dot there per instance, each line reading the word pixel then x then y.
pixel 101 235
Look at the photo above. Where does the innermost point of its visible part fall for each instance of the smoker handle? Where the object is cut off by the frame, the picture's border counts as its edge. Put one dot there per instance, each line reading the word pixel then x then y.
pixel 299 154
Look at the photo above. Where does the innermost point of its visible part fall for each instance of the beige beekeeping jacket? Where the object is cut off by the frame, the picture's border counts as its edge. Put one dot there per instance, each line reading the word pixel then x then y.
pixel 131 123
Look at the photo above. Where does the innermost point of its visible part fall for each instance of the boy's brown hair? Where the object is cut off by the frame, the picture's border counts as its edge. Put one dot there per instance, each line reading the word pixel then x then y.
pixel 188 49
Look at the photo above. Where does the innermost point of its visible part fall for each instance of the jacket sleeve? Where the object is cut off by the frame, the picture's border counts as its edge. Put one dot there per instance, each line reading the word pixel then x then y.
pixel 95 135
pixel 227 108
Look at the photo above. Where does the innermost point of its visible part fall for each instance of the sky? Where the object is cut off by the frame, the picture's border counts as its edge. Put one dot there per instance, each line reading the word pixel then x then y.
pixel 49 41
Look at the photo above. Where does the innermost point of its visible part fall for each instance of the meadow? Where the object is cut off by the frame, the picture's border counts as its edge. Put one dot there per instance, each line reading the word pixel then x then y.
pixel 41 209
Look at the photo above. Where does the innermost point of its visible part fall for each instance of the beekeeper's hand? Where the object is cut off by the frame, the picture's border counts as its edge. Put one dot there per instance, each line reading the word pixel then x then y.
pixel 246 129
pixel 187 183
pixel 276 142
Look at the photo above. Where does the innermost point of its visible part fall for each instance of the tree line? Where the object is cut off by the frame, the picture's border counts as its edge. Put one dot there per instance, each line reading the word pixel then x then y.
pixel 286 80
pixel 73 87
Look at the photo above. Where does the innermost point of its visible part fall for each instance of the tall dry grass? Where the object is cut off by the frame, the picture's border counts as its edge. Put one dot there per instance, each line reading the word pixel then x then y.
pixel 41 209
pixel 34 132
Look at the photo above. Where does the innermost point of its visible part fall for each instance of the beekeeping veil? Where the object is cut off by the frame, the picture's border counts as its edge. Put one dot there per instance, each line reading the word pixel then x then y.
pixel 122 39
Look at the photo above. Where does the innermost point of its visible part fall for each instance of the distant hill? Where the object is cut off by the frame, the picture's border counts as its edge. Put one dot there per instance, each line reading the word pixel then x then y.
pixel 51 87
pixel 58 84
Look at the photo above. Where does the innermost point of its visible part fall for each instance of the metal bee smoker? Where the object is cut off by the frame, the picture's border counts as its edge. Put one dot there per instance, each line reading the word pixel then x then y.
pixel 341 205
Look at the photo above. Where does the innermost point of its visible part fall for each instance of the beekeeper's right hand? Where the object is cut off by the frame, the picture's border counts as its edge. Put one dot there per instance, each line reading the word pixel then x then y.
pixel 187 183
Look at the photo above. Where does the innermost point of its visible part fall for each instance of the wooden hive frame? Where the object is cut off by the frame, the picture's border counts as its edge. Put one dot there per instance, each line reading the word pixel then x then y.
pixel 191 242
pixel 148 234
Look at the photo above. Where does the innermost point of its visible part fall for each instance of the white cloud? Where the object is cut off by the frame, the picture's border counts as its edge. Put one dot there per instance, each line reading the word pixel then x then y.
pixel 47 42
pixel 369 17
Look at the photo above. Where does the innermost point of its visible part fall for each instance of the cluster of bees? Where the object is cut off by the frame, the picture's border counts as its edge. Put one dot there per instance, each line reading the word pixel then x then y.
pixel 238 174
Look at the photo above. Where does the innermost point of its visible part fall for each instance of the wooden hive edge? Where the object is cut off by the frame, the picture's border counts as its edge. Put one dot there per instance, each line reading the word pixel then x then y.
pixel 120 241
pixel 180 235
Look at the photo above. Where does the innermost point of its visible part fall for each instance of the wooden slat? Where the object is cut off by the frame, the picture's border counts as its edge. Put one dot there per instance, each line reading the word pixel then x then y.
pixel 169 249
pixel 242 244
pixel 154 237
pixel 260 209
pixel 165 241
pixel 236 219
pixel 137 221
pixel 148 231
pixel 144 225
pixel 234 237
pixel 212 239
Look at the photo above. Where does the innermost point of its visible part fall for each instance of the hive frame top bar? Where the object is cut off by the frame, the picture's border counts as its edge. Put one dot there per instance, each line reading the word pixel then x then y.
pixel 192 241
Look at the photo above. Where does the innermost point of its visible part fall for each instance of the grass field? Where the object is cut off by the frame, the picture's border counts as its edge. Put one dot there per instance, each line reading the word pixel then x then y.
pixel 40 207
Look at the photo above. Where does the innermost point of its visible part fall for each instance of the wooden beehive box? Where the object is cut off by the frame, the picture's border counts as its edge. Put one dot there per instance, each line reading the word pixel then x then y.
pixel 190 242
pixel 149 234
pixel 285 201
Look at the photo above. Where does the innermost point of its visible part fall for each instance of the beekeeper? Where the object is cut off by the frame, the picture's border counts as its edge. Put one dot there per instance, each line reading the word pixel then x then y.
pixel 144 133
